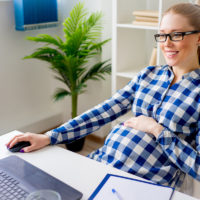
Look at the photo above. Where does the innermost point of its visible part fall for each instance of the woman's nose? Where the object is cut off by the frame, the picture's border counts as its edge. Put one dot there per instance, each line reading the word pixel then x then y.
pixel 168 42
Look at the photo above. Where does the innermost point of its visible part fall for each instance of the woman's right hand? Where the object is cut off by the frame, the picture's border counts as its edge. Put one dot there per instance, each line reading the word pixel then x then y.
pixel 37 141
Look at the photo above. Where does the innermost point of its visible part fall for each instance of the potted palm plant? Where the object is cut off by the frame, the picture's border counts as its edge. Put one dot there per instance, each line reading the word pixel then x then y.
pixel 69 58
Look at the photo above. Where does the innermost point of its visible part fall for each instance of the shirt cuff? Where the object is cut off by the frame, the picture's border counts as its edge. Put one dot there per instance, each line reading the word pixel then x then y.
pixel 165 138
pixel 53 137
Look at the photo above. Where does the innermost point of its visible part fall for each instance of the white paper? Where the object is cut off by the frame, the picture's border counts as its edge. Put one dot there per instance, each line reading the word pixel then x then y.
pixel 132 190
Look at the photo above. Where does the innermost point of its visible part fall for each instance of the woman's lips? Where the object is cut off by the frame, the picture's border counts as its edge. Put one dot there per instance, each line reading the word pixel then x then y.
pixel 171 54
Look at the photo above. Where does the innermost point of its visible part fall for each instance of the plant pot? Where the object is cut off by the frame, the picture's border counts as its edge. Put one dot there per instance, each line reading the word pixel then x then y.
pixel 76 145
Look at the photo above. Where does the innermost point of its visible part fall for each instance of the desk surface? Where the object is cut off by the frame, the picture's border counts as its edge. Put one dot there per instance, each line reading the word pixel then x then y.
pixel 78 171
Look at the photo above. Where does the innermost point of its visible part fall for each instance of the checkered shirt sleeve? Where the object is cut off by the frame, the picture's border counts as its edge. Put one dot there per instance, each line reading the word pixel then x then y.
pixel 93 119
pixel 181 153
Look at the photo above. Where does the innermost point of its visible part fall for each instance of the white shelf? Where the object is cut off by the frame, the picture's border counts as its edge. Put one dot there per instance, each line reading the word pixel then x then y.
pixel 132 44
pixel 132 26
pixel 127 74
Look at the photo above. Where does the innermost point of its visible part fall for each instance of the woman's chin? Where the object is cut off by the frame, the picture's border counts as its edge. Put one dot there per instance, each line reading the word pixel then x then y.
pixel 171 62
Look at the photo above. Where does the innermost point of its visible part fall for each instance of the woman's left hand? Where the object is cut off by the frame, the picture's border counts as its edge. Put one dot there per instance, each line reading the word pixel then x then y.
pixel 144 124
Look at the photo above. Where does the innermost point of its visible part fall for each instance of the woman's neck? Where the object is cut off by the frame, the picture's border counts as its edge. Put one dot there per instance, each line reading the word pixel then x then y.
pixel 180 71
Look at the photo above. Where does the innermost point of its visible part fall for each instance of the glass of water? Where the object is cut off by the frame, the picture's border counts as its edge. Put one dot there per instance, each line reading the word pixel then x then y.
pixel 44 195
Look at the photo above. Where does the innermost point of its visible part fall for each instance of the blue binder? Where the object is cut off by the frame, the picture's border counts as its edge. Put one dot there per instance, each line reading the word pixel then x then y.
pixel 34 14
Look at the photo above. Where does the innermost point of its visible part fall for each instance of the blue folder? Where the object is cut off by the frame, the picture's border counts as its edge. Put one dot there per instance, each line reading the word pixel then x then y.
pixel 122 184
pixel 34 14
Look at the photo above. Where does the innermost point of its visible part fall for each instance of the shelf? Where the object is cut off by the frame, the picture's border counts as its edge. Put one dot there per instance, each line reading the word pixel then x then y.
pixel 132 42
pixel 131 72
pixel 127 74
pixel 131 26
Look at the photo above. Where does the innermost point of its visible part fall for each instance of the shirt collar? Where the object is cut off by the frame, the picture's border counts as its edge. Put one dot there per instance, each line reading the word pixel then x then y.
pixel 194 74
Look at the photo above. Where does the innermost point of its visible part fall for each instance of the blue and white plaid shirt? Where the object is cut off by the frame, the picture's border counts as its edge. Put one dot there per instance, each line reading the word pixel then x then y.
pixel 177 108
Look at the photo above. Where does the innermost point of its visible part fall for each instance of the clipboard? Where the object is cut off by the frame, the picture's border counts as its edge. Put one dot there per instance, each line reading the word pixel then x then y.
pixel 130 189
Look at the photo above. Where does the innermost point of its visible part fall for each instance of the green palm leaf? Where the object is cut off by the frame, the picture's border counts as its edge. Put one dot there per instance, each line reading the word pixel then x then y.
pixel 69 59
pixel 47 39
pixel 97 71
pixel 71 24
pixel 60 94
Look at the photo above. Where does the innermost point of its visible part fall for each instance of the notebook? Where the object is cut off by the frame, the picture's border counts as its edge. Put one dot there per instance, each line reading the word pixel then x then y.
pixel 21 178
pixel 125 188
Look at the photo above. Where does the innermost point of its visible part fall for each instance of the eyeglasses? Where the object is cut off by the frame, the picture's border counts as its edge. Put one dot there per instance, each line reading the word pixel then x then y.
pixel 174 36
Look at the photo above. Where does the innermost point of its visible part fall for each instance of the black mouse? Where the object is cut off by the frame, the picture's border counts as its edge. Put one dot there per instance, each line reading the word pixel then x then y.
pixel 17 147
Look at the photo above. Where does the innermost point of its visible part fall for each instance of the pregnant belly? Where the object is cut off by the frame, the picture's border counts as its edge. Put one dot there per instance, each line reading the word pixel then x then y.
pixel 136 152
pixel 135 149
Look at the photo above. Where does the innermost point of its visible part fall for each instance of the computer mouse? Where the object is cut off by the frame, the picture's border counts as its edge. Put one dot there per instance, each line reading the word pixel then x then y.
pixel 17 147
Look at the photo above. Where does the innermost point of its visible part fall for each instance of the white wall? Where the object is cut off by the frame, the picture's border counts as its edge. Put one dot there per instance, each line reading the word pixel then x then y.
pixel 26 86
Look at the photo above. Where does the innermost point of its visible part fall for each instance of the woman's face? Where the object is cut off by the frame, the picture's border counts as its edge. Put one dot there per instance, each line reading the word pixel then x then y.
pixel 179 53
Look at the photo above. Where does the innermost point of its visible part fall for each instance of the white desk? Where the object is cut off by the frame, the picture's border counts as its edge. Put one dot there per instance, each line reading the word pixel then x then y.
pixel 78 171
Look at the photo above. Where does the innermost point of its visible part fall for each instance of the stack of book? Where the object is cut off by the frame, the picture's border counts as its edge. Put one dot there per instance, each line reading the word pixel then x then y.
pixel 146 17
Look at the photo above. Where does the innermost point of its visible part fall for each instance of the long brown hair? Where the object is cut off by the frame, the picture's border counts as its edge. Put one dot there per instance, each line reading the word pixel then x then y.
pixel 191 12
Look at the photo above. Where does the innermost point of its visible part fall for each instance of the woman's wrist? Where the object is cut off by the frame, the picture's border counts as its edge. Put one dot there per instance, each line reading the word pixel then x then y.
pixel 157 130
pixel 47 140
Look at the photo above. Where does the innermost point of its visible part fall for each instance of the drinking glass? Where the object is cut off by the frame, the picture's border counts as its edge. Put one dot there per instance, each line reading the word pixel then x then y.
pixel 44 195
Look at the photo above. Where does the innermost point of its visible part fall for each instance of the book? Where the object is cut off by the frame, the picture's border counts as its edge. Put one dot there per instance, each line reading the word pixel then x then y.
pixel 146 19
pixel 146 13
pixel 125 188
pixel 144 23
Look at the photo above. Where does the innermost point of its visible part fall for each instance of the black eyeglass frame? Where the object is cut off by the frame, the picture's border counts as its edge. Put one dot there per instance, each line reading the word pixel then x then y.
pixel 170 35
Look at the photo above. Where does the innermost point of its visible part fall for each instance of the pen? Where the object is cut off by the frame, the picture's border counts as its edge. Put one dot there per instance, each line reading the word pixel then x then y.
pixel 119 197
